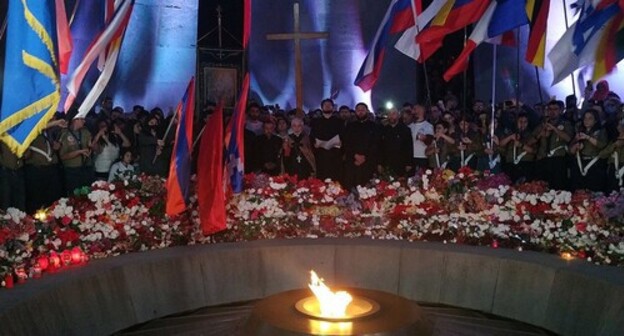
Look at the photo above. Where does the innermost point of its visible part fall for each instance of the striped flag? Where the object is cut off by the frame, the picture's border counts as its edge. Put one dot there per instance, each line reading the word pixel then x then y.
pixel 235 160
pixel 454 15
pixel 395 21
pixel 500 18
pixel 536 48
pixel 110 56
pixel 102 41
pixel 31 69
pixel 65 44
pixel 180 169
pixel 611 48
pixel 577 47
pixel 407 42
pixel 479 34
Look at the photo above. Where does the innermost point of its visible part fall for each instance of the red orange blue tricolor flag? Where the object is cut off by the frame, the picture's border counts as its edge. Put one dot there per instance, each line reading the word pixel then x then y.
pixel 178 183
pixel 210 191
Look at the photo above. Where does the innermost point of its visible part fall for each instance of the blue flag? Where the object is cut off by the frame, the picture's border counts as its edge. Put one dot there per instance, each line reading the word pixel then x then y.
pixel 508 15
pixel 31 79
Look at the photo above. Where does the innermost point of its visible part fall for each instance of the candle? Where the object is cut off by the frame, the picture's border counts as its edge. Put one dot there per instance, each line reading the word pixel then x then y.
pixel 21 274
pixel 494 243
pixel 76 255
pixel 43 262
pixel 55 261
pixel 8 281
pixel 66 257
pixel 84 258
pixel 36 271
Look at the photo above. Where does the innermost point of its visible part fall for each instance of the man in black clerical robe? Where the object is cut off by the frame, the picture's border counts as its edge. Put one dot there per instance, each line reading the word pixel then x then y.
pixel 269 146
pixel 297 154
pixel 396 148
pixel 325 136
pixel 361 141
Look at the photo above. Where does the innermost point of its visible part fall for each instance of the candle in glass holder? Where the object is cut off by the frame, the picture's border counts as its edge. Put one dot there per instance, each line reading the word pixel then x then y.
pixel 36 271
pixel 20 272
pixel 66 257
pixel 43 262
pixel 8 280
pixel 84 258
pixel 76 255
pixel 55 261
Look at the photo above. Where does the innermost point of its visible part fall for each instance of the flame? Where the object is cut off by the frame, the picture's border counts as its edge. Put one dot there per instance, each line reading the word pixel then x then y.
pixel 331 304
pixel 41 215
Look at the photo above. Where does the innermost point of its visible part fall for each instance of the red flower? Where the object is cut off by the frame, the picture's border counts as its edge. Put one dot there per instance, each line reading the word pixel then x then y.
pixel 66 220
pixel 581 226
pixel 66 236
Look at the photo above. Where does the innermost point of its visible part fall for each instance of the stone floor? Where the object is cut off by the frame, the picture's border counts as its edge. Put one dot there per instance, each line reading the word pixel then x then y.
pixel 228 319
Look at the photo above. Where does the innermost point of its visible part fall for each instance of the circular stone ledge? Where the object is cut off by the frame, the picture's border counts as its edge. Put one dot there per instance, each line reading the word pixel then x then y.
pixel 566 297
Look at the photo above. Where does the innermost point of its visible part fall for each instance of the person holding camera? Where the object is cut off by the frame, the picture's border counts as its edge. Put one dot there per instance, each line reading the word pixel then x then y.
pixel 591 139
pixel 520 151
pixel 553 135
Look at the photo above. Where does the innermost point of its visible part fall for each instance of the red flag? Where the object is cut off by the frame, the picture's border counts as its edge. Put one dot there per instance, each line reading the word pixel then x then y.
pixel 65 44
pixel 246 23
pixel 210 194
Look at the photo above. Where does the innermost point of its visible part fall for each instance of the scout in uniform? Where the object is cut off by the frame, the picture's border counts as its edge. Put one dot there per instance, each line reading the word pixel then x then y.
pixel 12 191
pixel 75 154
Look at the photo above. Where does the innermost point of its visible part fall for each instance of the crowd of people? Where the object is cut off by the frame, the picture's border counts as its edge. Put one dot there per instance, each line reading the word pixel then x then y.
pixel 74 151
pixel 568 145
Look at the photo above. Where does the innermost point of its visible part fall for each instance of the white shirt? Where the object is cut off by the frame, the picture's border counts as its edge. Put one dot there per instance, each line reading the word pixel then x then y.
pixel 105 159
pixel 419 128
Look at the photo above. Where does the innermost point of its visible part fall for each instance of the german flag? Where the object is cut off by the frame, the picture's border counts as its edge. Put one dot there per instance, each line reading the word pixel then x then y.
pixel 610 49
pixel 536 50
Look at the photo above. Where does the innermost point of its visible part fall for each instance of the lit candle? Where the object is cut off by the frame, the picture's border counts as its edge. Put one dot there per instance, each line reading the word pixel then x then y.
pixel 66 257
pixel 76 255
pixel 21 274
pixel 567 256
pixel 43 262
pixel 36 271
pixel 84 258
pixel 494 243
pixel 55 261
pixel 8 281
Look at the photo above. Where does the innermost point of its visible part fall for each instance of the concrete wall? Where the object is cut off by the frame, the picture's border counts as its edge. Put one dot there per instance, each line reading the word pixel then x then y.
pixel 569 298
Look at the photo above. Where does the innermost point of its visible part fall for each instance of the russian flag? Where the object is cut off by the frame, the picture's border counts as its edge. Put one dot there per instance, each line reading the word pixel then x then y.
pixel 235 161
pixel 398 18
pixel 180 169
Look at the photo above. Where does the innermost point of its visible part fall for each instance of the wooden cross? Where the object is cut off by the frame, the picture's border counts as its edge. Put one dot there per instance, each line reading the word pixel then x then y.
pixel 297 36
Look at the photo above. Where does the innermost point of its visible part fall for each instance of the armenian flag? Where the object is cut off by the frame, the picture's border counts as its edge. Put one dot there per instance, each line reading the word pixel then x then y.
pixel 180 169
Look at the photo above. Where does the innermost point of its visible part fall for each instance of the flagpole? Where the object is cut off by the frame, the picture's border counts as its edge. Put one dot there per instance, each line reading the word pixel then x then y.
pixel 518 70
pixel 4 26
pixel 73 14
pixel 539 86
pixel 424 63
pixel 198 137
pixel 465 77
pixel 565 16
pixel 493 116
pixel 173 118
